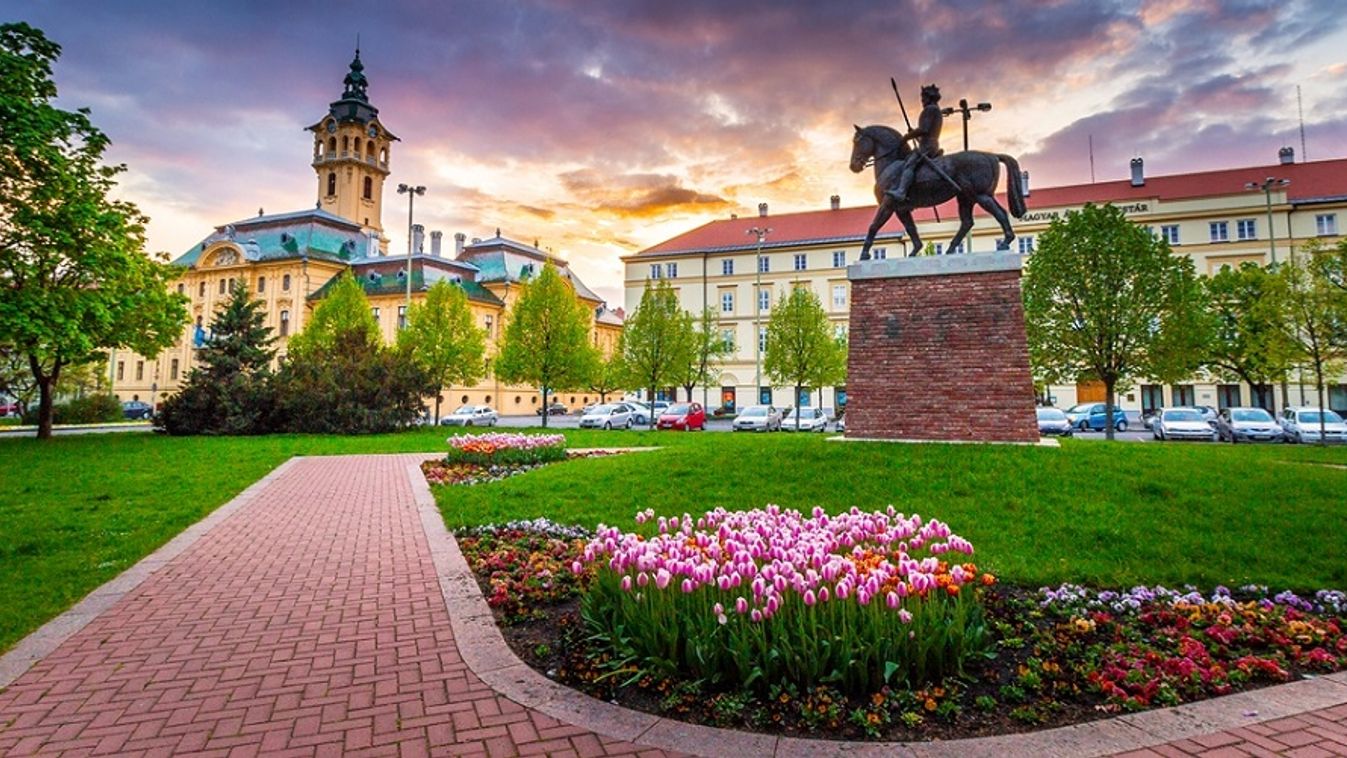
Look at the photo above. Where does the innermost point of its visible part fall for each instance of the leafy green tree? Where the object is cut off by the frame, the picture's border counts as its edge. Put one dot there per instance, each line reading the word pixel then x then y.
pixel 1107 300
pixel 1314 322
pixel 443 340
pixel 343 310
pixel 74 280
pixel 546 342
pixel 231 391
pixel 708 350
pixel 656 343
pixel 802 350
pixel 609 376
pixel 1244 329
pixel 355 385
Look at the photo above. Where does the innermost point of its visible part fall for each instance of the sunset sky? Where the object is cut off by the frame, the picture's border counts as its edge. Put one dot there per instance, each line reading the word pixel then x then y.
pixel 603 128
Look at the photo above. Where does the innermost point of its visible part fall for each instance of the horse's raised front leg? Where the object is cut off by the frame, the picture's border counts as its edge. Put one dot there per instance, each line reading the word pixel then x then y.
pixel 882 215
pixel 990 205
pixel 910 226
pixel 965 223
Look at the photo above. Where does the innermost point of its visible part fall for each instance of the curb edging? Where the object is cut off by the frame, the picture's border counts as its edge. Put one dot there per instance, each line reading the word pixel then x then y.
pixel 484 650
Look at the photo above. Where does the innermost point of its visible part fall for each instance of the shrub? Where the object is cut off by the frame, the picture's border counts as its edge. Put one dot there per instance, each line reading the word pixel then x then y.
pixel 502 449
pixel 355 385
pixel 87 409
pixel 755 599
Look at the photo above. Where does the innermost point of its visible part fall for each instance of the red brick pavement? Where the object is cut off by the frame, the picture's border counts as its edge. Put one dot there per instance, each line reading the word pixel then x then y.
pixel 309 622
pixel 1315 734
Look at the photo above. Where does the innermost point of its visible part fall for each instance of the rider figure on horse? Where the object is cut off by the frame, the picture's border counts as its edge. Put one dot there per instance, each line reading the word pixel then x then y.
pixel 927 134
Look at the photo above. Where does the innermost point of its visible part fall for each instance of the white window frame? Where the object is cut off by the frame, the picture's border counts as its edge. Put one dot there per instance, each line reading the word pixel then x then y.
pixel 727 301
pixel 1326 224
pixel 801 262
pixel 764 265
pixel 671 270
pixel 1170 233
pixel 839 259
pixel 1026 244
pixel 655 271
pixel 839 296
pixel 727 338
pixel 727 267
pixel 1218 231
pixel 764 299
pixel 880 253
pixel 1246 229
pixel 762 339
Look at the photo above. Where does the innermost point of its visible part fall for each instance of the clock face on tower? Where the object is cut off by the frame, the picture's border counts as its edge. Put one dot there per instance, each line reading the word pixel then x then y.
pixel 373 130
pixel 332 127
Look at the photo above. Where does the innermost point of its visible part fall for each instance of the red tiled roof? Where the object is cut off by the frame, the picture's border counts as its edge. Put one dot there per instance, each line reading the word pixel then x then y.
pixel 1311 180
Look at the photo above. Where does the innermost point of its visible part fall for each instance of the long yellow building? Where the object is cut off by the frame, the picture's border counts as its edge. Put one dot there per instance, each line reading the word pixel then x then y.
pixel 288 260
pixel 1217 218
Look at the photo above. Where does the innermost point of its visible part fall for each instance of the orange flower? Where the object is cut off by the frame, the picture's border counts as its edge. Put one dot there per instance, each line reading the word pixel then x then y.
pixel 931 705
pixel 988 580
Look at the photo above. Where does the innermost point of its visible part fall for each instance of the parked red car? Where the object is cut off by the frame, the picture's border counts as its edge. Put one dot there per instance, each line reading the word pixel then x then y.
pixel 685 416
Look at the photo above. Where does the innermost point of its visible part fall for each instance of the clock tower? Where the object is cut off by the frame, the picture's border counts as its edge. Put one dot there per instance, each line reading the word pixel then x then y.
pixel 350 156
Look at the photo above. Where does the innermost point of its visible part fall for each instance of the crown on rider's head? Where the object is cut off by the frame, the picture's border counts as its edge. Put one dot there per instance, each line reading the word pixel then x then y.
pixel 932 91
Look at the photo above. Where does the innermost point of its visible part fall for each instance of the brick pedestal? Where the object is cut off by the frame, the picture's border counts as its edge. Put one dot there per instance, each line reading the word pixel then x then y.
pixel 938 352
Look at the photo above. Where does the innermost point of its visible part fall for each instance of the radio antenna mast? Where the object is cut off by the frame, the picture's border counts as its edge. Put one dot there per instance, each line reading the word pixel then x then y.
pixel 1300 106
pixel 1091 159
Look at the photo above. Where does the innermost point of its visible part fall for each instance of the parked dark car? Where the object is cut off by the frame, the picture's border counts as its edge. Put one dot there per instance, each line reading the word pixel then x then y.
pixel 136 410
pixel 1090 416
pixel 555 409
pixel 1054 421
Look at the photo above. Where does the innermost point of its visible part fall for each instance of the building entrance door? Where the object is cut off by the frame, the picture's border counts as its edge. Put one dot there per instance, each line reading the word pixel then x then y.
pixel 1090 392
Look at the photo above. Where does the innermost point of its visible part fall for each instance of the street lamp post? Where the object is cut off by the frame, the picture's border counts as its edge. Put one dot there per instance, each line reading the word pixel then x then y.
pixel 411 193
pixel 1266 186
pixel 967 111
pixel 761 233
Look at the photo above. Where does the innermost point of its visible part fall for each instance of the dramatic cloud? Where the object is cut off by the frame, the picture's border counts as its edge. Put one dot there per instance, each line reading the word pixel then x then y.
pixel 599 128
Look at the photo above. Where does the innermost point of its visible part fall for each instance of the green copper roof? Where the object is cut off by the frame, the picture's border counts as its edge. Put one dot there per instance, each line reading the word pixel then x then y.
pixel 312 233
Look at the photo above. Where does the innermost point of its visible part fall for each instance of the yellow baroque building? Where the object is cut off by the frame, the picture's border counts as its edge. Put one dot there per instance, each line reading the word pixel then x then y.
pixel 289 260
pixel 1217 218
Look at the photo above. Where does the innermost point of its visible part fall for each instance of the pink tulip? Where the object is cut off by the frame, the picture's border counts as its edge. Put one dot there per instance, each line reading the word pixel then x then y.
pixel 905 616
pixel 687 586
pixel 662 578
pixel 741 605
pixel 809 598
pixel 626 584
pixel 892 599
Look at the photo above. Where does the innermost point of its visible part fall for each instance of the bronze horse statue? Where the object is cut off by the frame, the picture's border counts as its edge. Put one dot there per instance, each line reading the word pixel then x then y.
pixel 969 177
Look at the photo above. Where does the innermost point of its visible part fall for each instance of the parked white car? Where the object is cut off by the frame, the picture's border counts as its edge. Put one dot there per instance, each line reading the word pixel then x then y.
pixel 609 416
pixel 811 420
pixel 1303 425
pixel 471 415
pixel 758 418
pixel 1183 424
pixel 1248 425
pixel 640 411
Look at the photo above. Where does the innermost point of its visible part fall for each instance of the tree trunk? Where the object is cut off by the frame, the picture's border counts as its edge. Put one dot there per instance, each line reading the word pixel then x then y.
pixel 797 407
pixel 650 422
pixel 438 391
pixel 688 387
pixel 46 385
pixel 546 412
pixel 1108 408
pixel 1319 387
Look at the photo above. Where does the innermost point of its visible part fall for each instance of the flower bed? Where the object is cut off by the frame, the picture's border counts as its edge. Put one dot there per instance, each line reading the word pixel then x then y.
pixel 756 598
pixel 504 449
pixel 1054 656
pixel 443 472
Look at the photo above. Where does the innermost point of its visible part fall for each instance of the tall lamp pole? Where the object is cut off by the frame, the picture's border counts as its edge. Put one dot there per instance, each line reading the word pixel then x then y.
pixel 411 193
pixel 761 233
pixel 967 111
pixel 1266 186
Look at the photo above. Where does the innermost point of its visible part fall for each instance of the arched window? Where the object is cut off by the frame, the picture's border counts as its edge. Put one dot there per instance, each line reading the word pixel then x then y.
pixel 345 144
pixel 369 188
pixel 201 290
pixel 488 398
pixel 331 145
pixel 356 148
pixel 383 155
pixel 331 183
pixel 285 282
pixel 261 284
pixel 182 288
pixel 465 399
pixel 285 323
pixel 517 399
pixel 223 285
pixel 369 149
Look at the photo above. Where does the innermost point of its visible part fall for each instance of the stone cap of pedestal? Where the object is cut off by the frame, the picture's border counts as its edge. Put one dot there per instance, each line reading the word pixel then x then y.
pixel 936 265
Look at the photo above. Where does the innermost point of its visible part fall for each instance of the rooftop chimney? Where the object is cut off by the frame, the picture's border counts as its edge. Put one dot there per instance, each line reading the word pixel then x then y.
pixel 762 209
pixel 459 239
pixel 1286 155
pixel 835 201
pixel 418 239
pixel 1138 173
pixel 1024 183
pixel 435 238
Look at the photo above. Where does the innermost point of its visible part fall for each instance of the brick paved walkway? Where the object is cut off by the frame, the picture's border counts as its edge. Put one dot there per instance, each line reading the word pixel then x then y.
pixel 312 621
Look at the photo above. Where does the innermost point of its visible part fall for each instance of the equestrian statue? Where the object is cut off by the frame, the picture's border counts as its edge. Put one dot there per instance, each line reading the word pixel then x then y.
pixel 924 177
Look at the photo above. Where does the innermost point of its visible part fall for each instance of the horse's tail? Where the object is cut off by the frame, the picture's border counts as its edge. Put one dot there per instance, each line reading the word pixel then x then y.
pixel 1014 185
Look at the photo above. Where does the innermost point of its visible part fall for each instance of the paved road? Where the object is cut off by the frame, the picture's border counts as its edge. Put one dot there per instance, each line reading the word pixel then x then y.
pixel 63 431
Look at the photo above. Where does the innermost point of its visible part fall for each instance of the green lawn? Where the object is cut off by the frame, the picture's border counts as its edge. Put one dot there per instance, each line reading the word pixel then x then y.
pixel 75 511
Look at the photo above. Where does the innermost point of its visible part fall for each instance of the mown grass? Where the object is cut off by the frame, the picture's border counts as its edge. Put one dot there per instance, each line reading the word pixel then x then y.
pixel 76 511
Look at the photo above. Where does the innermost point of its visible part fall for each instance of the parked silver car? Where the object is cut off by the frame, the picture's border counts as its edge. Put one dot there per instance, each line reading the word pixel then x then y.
pixel 1053 421
pixel 609 416
pixel 1183 424
pixel 758 418
pixel 1247 425
pixel 1303 425
pixel 811 420
pixel 471 415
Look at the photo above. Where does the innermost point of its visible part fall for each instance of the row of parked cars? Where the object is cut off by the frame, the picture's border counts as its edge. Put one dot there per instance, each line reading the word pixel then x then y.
pixel 1201 422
